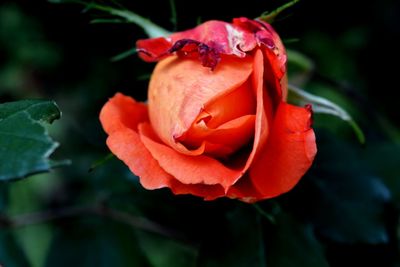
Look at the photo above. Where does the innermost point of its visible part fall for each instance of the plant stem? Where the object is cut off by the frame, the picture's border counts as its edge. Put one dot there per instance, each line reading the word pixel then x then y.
pixel 98 210
pixel 270 16
pixel 263 213
pixel 151 29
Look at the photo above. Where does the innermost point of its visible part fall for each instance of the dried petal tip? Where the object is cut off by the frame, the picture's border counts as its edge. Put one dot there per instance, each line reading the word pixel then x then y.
pixel 208 55
pixel 308 107
pixel 210 40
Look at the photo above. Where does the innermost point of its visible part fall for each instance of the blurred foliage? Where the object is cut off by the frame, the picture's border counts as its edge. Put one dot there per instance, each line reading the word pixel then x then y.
pixel 345 211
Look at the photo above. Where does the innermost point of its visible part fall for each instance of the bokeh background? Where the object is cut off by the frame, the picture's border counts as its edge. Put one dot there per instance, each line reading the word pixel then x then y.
pixel 345 210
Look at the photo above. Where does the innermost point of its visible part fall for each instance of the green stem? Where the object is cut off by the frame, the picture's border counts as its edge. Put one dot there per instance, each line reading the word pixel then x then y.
pixel 101 161
pixel 150 28
pixel 270 16
pixel 96 209
pixel 263 213
pixel 124 54
pixel 174 17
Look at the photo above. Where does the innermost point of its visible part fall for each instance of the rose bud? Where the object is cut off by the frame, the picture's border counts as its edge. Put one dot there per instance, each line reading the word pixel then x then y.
pixel 217 122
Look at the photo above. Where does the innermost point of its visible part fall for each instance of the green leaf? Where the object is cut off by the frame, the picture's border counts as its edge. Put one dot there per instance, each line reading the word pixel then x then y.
pixel 95 243
pixel 293 244
pixel 236 242
pixel 38 110
pixel 24 143
pixel 300 67
pixel 11 254
pixel 324 106
pixel 150 28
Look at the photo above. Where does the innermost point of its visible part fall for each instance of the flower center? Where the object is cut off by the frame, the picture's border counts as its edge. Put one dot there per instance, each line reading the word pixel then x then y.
pixel 225 124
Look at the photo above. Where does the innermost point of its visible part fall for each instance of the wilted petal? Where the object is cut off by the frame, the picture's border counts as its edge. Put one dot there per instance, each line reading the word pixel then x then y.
pixel 274 52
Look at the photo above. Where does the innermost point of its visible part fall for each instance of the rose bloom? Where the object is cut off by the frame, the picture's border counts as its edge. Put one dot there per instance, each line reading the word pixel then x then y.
pixel 216 122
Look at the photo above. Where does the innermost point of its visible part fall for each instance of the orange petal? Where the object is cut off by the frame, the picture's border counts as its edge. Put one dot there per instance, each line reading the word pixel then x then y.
pixel 235 133
pixel 179 90
pixel 120 117
pixel 128 147
pixel 226 124
pixel 229 136
pixel 274 52
pixel 208 192
pixel 288 153
pixel 244 190
pixel 237 103
pixel 187 169
pixel 263 109
pixel 275 62
pixel 122 112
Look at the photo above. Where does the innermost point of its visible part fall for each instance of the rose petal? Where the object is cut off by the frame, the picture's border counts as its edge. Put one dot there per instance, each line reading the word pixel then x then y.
pixel 288 154
pixel 122 112
pixel 128 147
pixel 179 90
pixel 120 117
pixel 237 103
pixel 224 140
pixel 244 190
pixel 274 53
pixel 187 169
pixel 235 133
pixel 225 124
pixel 154 49
pixel 263 109
pixel 208 192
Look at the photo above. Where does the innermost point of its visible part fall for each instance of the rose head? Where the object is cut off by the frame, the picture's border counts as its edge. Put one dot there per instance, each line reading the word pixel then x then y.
pixel 216 123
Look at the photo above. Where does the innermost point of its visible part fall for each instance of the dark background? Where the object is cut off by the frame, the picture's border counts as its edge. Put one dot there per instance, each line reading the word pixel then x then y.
pixel 52 51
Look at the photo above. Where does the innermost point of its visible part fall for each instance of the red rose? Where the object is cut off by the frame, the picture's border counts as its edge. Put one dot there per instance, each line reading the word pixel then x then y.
pixel 216 123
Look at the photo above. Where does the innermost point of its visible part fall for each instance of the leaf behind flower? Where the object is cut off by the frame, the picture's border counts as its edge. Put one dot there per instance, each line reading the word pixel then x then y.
pixel 324 106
